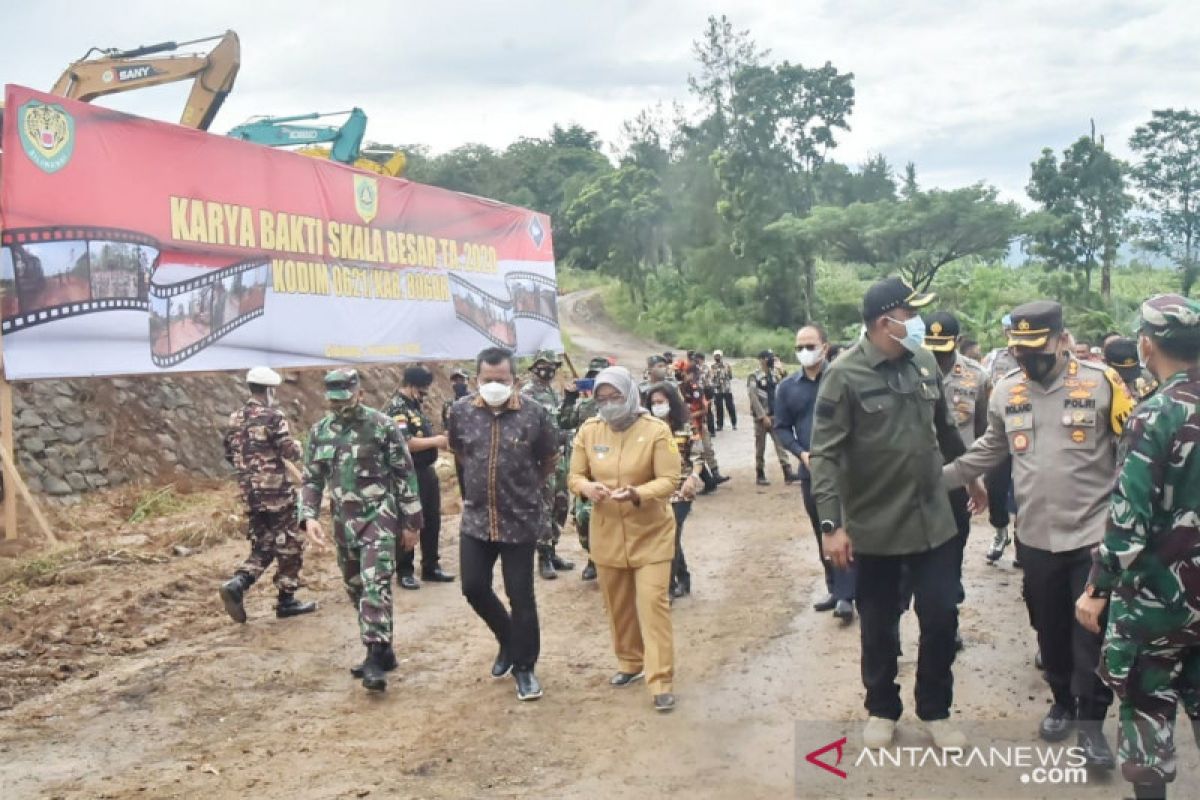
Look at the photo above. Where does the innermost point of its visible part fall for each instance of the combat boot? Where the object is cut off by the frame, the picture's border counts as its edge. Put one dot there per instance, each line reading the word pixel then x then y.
pixel 232 592
pixel 288 606
pixel 710 483
pixel 389 663
pixel 560 564
pixel 546 563
pixel 374 678
pixel 760 478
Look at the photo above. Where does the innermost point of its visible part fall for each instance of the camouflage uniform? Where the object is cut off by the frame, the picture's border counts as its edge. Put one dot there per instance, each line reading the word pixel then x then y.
pixel 555 497
pixel 574 413
pixel 1148 560
pixel 361 456
pixel 256 443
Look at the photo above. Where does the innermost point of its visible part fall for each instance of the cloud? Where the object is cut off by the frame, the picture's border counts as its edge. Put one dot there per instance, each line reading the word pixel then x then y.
pixel 969 91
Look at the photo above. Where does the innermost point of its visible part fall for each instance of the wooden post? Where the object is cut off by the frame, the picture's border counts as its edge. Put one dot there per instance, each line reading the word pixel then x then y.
pixel 6 445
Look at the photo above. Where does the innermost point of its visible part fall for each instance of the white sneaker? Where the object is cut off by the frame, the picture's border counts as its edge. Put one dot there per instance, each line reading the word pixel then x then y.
pixel 879 732
pixel 945 735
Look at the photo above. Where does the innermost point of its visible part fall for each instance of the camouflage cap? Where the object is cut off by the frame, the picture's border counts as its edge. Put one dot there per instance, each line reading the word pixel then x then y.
pixel 549 356
pixel 340 384
pixel 1170 316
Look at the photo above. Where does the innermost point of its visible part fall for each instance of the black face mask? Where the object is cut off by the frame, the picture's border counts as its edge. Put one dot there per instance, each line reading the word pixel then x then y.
pixel 460 390
pixel 1037 365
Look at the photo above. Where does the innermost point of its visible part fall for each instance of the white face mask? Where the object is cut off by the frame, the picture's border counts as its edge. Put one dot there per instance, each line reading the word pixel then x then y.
pixel 809 358
pixel 495 393
pixel 661 410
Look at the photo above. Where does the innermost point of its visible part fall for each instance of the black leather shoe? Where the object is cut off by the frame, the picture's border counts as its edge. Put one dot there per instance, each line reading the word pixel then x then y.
pixel 232 592
pixel 436 575
pixel 1096 751
pixel 827 603
pixel 625 678
pixel 502 666
pixel 409 582
pixel 528 687
pixel 589 572
pixel 719 478
pixel 289 606
pixel 561 564
pixel 664 702
pixel 388 663
pixel 1057 724
pixel 844 611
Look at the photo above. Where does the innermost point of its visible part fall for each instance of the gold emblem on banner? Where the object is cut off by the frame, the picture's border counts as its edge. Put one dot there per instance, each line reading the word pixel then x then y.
pixel 366 197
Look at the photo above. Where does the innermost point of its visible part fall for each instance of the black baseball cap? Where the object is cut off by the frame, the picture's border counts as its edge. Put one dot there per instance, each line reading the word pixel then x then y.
pixel 1034 323
pixel 1121 355
pixel 766 354
pixel 941 332
pixel 889 294
pixel 418 376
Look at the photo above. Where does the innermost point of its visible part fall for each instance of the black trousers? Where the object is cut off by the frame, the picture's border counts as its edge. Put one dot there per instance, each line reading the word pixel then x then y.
pixel 431 509
pixel 723 401
pixel 959 500
pixel 517 633
pixel 679 568
pixel 1070 653
pixel 998 483
pixel 933 578
pixel 839 582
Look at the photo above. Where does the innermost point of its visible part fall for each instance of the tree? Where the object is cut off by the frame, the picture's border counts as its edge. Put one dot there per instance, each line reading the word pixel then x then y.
pixel 783 122
pixel 722 53
pixel 1168 177
pixel 616 222
pixel 914 237
pixel 1084 207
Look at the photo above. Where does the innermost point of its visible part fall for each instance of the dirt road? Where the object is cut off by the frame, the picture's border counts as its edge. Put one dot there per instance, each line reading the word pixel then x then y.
pixel 203 708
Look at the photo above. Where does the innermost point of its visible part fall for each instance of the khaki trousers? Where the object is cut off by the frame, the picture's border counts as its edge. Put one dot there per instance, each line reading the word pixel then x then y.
pixel 639 612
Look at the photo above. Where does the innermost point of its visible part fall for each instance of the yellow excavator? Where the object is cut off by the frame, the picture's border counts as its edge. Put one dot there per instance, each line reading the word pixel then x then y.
pixel 109 71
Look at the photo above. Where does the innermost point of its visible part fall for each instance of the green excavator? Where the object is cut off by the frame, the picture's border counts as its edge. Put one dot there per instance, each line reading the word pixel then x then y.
pixel 344 142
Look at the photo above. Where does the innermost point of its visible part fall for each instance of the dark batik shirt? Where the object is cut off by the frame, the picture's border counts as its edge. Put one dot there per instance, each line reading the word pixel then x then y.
pixel 503 461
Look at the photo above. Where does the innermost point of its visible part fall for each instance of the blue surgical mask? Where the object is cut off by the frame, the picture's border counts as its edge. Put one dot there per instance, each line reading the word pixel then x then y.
pixel 914 333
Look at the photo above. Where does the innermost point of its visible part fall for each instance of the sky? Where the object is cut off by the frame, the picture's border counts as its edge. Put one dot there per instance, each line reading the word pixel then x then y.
pixel 968 91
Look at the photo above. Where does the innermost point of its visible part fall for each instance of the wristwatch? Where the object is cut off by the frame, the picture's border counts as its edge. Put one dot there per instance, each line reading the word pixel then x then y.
pixel 828 526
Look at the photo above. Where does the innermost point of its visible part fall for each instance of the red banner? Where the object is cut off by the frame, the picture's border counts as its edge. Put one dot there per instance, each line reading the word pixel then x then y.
pixel 131 245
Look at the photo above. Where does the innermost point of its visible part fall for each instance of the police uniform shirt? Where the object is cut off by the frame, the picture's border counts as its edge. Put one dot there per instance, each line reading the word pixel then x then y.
pixel 966 386
pixel 1063 439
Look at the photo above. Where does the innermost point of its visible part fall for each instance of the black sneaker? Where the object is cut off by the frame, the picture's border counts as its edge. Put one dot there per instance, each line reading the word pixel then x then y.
pixel 626 678
pixel 528 687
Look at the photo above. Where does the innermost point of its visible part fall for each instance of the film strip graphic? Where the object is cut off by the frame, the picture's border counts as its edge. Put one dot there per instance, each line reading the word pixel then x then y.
pixel 189 315
pixel 491 316
pixel 64 271
pixel 533 296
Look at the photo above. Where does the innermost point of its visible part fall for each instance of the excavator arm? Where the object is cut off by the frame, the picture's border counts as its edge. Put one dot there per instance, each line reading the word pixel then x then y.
pixel 345 142
pixel 124 70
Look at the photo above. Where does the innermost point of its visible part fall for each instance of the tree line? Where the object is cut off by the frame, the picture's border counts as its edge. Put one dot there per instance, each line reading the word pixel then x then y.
pixel 738 214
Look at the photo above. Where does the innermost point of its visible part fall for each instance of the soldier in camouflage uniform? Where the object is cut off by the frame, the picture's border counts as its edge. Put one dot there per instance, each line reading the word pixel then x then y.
pixel 360 454
pixel 1121 354
pixel 575 412
pixel 1148 558
pixel 257 442
pixel 540 389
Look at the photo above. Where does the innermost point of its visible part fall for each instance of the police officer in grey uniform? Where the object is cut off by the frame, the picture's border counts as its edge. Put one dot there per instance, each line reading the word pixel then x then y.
pixel 1060 419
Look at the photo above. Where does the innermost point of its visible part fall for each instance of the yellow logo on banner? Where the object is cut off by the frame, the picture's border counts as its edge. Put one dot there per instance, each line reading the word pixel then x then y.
pixel 366 197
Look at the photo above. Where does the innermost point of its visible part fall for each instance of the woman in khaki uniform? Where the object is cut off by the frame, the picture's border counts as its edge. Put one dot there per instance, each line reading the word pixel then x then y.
pixel 626 462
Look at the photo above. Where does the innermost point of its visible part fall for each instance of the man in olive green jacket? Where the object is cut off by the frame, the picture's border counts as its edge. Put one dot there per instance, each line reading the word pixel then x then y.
pixel 882 428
